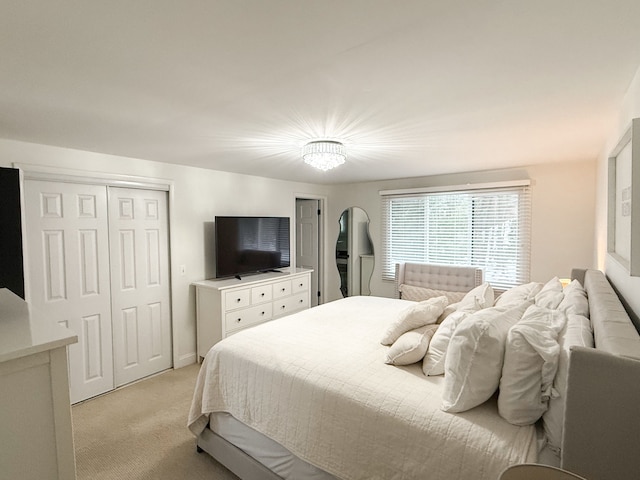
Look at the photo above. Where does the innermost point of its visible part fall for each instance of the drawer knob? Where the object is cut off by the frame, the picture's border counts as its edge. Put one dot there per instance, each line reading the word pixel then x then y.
pixel 283 307
pixel 239 320
pixel 301 301
pixel 262 294
pixel 238 300
pixel 283 289
pixel 301 284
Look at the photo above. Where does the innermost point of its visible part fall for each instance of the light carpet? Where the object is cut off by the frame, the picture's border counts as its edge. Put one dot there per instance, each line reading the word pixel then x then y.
pixel 140 432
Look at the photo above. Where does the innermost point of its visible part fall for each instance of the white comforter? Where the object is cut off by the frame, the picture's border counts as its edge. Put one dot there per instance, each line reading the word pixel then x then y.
pixel 316 382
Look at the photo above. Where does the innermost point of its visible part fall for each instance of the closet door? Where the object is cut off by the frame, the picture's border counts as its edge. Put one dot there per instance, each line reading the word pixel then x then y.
pixel 68 261
pixel 138 229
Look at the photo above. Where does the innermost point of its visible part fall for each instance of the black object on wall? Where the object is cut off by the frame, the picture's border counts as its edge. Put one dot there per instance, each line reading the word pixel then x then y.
pixel 11 266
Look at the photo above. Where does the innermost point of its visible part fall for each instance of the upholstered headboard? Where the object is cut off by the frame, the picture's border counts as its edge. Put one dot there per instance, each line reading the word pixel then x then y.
pixel 437 277
pixel 602 415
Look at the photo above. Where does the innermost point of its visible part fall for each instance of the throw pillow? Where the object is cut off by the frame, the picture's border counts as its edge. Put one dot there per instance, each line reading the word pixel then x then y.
pixel 575 299
pixel 519 294
pixel 448 310
pixel 473 365
pixel 481 296
pixel 411 346
pixel 551 294
pixel 415 316
pixel 530 364
pixel 433 363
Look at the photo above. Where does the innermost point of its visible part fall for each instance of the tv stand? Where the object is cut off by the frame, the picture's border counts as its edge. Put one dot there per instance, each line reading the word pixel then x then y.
pixel 226 306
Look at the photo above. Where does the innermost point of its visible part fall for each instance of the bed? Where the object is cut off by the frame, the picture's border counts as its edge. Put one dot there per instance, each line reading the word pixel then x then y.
pixel 309 397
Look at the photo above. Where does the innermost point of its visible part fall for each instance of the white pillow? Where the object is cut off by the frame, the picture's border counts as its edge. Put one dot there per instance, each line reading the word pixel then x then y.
pixel 578 332
pixel 419 294
pixel 433 363
pixel 530 364
pixel 476 299
pixel 418 315
pixel 475 355
pixel 448 310
pixel 411 346
pixel 519 294
pixel 480 297
pixel 551 294
pixel 575 299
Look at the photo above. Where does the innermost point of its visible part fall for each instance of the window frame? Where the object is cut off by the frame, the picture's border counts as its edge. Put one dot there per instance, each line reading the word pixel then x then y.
pixel 518 243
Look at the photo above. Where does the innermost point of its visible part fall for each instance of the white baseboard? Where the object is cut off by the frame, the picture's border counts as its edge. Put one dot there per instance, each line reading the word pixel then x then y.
pixel 185 360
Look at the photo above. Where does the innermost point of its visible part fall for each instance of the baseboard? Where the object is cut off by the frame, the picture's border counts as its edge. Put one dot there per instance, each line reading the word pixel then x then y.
pixel 185 360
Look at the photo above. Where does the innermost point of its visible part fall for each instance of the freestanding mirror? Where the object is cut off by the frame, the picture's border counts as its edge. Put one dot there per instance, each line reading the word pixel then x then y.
pixel 354 253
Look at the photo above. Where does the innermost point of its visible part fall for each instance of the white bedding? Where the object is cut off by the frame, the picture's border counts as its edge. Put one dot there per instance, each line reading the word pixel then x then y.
pixel 316 383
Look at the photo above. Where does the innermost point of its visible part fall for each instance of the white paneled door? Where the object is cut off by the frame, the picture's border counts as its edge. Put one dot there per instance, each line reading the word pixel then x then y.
pixel 138 230
pixel 68 261
pixel 98 263
pixel 307 242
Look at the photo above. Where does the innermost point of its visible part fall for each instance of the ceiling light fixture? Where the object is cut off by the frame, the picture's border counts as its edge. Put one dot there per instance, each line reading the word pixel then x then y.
pixel 324 154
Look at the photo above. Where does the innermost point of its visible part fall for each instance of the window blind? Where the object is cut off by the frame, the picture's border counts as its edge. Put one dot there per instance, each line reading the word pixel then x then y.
pixel 488 228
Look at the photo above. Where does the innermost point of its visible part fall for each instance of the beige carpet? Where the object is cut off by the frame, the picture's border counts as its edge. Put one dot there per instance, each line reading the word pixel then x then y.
pixel 139 432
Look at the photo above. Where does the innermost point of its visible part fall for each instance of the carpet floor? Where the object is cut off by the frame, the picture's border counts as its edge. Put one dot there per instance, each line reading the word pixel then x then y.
pixel 139 432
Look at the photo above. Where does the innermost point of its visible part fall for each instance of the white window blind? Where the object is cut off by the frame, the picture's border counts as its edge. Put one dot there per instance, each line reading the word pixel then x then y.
pixel 488 228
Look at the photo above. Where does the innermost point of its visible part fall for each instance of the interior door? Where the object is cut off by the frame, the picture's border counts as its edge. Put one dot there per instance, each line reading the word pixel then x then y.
pixel 138 230
pixel 307 244
pixel 68 260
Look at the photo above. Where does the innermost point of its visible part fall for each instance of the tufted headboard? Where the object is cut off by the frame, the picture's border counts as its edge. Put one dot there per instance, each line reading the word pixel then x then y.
pixel 437 277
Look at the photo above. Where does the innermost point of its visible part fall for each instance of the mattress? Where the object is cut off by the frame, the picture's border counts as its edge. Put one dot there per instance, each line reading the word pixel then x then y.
pixel 316 383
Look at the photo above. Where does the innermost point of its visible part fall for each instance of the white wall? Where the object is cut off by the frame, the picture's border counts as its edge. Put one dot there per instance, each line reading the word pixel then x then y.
pixel 562 223
pixel 628 287
pixel 199 195
pixel 563 199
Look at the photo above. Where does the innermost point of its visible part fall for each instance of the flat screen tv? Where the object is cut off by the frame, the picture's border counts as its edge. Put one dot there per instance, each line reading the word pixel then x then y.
pixel 245 245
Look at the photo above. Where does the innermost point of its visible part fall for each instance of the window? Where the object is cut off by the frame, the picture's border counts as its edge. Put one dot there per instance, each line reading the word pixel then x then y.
pixel 487 227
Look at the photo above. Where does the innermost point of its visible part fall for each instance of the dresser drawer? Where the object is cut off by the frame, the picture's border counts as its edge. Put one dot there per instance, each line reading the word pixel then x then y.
pixel 300 284
pixel 248 316
pixel 263 293
pixel 291 304
pixel 282 289
pixel 237 299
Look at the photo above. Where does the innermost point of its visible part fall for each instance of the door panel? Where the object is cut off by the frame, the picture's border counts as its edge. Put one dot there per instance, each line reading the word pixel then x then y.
pixel 92 328
pixel 67 246
pixel 89 264
pixel 138 222
pixel 54 262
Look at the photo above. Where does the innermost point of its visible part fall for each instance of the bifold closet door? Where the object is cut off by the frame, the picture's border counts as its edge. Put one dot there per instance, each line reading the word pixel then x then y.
pixel 68 274
pixel 140 292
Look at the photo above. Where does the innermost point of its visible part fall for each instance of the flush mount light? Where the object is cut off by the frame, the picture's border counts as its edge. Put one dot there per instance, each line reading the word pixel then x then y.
pixel 324 154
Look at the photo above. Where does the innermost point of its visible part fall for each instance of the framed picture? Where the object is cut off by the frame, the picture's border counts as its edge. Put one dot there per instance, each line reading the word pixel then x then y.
pixel 623 215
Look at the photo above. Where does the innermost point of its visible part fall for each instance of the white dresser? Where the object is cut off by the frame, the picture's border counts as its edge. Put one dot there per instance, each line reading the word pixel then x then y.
pixel 224 307
pixel 36 435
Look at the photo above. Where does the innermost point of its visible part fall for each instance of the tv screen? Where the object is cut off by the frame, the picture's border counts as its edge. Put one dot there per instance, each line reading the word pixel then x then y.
pixel 251 244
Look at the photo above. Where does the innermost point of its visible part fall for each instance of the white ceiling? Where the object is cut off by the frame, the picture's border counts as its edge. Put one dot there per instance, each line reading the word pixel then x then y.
pixel 412 87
